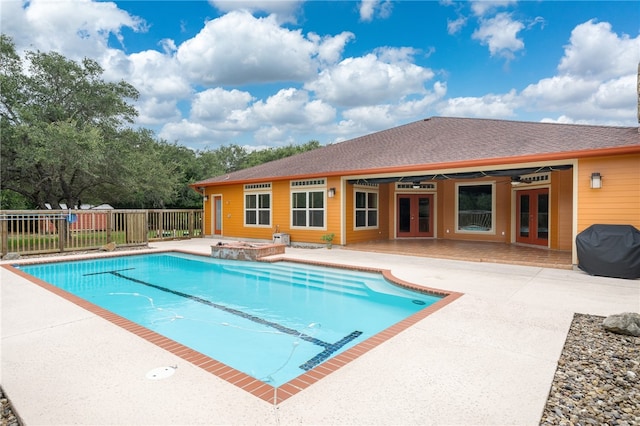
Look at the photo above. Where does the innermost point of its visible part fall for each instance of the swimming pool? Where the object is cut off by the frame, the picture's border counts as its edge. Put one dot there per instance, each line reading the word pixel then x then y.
pixel 274 322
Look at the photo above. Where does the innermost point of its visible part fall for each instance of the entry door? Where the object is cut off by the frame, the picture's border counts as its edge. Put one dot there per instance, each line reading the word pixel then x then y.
pixel 533 217
pixel 217 215
pixel 415 215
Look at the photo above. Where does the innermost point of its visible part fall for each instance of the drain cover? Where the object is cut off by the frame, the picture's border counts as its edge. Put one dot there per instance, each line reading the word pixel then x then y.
pixel 161 373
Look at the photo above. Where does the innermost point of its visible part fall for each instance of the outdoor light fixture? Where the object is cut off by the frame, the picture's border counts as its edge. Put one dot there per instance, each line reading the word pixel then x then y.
pixel 332 192
pixel 205 198
pixel 596 180
pixel 416 185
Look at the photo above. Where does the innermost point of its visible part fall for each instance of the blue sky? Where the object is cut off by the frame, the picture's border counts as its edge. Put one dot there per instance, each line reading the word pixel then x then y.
pixel 271 73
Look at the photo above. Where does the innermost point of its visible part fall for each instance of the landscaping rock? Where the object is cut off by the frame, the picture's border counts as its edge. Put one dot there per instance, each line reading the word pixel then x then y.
pixel 626 323
pixel 7 415
pixel 596 382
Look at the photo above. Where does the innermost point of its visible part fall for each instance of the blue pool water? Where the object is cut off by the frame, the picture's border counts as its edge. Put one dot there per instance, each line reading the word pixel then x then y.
pixel 270 321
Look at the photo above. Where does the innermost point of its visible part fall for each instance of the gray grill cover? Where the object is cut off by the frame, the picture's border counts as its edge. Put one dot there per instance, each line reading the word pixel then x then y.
pixel 609 251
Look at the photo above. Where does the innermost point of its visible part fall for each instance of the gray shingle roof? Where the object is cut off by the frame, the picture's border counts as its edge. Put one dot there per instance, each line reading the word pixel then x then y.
pixel 438 141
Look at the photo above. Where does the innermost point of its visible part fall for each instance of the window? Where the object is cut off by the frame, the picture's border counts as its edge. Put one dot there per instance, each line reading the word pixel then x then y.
pixel 475 208
pixel 307 209
pixel 366 209
pixel 257 209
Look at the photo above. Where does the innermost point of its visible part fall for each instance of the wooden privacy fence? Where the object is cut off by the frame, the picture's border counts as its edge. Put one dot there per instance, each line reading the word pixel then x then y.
pixel 50 231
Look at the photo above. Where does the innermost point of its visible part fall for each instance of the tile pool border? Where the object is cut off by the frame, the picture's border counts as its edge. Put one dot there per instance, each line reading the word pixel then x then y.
pixel 242 380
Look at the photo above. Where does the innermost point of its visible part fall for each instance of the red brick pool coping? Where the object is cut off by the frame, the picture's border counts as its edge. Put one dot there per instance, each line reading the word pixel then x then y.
pixel 250 384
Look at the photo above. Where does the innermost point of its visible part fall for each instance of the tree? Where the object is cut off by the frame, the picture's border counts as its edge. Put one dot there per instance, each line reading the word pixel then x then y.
pixel 272 154
pixel 66 139
pixel 65 136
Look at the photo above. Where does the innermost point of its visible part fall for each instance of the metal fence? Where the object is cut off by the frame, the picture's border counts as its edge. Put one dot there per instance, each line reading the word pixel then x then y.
pixel 50 231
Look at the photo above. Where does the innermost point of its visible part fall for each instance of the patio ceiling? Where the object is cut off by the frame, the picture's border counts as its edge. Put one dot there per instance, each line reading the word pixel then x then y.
pixel 513 173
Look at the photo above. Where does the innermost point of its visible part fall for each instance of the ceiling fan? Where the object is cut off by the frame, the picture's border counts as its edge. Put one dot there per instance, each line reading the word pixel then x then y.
pixel 517 180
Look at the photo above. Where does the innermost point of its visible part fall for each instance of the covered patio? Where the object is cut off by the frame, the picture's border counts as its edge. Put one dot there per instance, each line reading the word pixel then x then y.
pixel 471 251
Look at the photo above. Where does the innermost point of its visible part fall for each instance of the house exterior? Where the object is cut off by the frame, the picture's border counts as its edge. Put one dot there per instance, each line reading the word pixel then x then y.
pixel 443 178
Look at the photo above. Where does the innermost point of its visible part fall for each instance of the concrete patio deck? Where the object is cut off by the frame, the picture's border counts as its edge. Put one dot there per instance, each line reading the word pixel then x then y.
pixel 487 358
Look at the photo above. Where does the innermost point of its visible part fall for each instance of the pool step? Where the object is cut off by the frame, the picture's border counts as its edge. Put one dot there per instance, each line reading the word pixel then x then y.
pixel 304 279
pixel 345 278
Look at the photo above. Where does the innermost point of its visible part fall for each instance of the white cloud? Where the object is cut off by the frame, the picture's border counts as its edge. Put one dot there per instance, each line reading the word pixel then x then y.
pixel 597 52
pixel 156 74
pixel 324 96
pixel 184 129
pixel 563 119
pixel 615 94
pixel 285 10
pixel 219 116
pixel 484 7
pixel 286 106
pixel 219 105
pixel 488 106
pixel 238 48
pixel 269 134
pixel 362 121
pixel 558 92
pixel 330 48
pixel 456 25
pixel 292 108
pixel 195 135
pixel 500 33
pixel 371 8
pixel 367 8
pixel 596 81
pixel 368 80
pixel 319 113
pixel 154 111
pixel 395 54
pixel 73 28
pixel 366 119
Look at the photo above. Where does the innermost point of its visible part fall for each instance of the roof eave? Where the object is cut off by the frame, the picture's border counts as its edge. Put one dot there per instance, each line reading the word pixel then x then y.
pixel 480 163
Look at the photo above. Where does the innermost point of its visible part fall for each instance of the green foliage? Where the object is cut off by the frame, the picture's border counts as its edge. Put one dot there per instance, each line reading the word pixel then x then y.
pixel 66 139
pixel 29 242
pixel 272 154
pixel 10 200
pixel 57 121
pixel 328 238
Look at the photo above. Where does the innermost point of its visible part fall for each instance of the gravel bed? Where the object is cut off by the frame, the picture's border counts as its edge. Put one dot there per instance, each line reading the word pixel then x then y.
pixel 597 381
pixel 8 417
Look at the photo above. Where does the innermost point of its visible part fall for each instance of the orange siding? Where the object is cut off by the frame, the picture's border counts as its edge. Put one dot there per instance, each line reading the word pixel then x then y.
pixel 333 213
pixel 208 211
pixel 618 201
pixel 233 214
pixel 561 209
pixel 281 207
pixel 232 210
pixel 382 232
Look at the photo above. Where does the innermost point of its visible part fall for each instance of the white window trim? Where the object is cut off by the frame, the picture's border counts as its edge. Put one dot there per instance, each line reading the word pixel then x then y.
pixel 313 185
pixel 257 190
pixel 491 231
pixel 366 190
